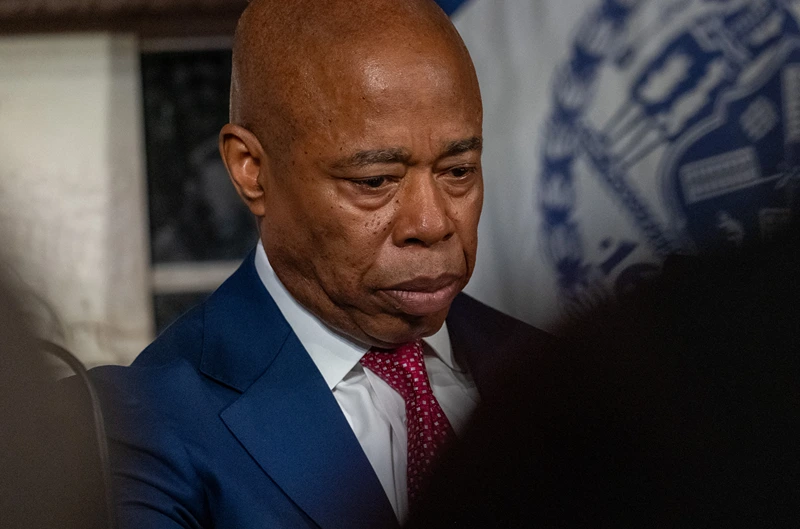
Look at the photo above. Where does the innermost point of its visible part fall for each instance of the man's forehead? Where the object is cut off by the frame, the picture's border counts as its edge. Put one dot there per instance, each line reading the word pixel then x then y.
pixel 353 103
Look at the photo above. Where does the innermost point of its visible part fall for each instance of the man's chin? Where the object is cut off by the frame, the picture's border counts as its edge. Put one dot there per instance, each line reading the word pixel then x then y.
pixel 389 332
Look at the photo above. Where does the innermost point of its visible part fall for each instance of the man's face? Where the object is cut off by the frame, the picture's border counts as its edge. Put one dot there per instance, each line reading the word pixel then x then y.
pixel 372 215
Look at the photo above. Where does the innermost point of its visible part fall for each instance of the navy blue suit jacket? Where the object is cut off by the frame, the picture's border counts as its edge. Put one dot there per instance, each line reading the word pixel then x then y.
pixel 225 421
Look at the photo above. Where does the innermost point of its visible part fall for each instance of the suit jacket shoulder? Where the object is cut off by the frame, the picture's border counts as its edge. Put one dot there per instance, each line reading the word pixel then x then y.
pixel 182 339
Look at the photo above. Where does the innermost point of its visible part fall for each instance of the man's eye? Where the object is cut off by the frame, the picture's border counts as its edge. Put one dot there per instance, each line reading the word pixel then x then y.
pixel 374 182
pixel 461 172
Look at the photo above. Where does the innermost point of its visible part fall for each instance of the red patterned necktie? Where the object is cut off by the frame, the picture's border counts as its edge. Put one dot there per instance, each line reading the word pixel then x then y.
pixel 403 369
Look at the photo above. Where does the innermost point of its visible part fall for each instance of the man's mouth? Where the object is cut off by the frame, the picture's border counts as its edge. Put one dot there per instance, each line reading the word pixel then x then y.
pixel 423 296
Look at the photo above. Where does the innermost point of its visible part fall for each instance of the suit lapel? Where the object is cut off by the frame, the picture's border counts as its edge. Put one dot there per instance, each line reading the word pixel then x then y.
pixel 469 343
pixel 293 427
pixel 492 343
pixel 287 418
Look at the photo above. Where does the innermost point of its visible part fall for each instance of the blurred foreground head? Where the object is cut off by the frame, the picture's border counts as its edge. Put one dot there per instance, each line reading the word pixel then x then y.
pixel 356 140
pixel 676 408
pixel 49 471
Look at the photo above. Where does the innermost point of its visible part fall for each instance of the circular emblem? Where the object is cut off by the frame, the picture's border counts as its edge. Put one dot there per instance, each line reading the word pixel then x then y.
pixel 675 127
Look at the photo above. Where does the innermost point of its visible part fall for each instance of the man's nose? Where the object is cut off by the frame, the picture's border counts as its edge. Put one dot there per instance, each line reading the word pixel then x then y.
pixel 422 217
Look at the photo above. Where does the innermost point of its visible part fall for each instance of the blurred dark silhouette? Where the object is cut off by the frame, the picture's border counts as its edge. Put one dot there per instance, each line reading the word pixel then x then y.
pixel 51 474
pixel 678 407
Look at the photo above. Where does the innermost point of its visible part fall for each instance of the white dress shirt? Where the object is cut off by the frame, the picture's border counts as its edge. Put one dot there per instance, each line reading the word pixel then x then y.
pixel 375 411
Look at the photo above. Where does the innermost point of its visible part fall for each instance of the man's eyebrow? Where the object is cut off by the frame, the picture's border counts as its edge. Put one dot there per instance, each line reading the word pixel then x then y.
pixel 398 155
pixel 461 146
pixel 372 157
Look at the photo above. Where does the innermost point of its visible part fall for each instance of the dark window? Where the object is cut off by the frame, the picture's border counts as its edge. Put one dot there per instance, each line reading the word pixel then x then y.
pixel 196 217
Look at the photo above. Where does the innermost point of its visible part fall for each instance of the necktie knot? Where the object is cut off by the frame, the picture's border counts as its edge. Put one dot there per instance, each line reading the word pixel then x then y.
pixel 402 368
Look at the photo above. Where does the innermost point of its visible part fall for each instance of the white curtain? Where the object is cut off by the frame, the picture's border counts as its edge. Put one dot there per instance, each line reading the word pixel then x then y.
pixel 72 203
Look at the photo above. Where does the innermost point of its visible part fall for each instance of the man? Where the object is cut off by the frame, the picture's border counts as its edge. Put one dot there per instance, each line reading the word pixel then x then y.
pixel 284 400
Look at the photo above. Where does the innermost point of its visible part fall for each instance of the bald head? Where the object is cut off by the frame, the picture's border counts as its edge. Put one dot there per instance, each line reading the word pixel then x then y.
pixel 291 59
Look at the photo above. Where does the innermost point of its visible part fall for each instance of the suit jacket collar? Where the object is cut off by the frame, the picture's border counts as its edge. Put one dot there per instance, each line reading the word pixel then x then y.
pixel 243 330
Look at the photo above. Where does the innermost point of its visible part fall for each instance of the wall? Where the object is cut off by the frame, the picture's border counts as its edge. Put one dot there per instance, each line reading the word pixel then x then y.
pixel 72 197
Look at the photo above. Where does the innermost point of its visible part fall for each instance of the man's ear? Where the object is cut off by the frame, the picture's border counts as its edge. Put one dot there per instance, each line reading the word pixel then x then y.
pixel 244 158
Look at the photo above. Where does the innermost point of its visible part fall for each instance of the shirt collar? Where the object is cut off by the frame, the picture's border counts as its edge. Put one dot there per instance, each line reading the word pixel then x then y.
pixel 334 354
